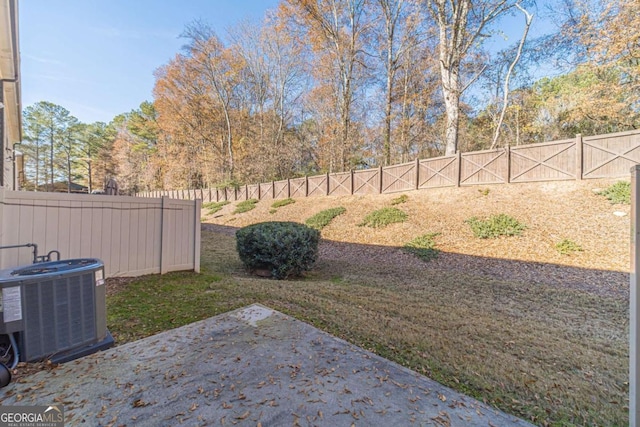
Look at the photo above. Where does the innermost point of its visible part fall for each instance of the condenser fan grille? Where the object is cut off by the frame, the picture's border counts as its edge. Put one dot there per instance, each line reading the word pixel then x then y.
pixel 60 315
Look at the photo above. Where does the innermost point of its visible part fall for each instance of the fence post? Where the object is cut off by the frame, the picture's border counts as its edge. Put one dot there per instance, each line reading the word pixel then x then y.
pixel 380 179
pixel 328 183
pixel 259 191
pixel 508 164
pixel 164 233
pixel 273 189
pixel 459 162
pixel 579 156
pixel 634 301
pixel 197 235
pixel 351 183
pixel 417 173
pixel 246 191
pixel 288 188
pixel 306 186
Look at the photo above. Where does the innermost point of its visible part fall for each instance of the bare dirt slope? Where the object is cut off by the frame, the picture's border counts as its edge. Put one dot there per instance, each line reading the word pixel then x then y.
pixel 551 211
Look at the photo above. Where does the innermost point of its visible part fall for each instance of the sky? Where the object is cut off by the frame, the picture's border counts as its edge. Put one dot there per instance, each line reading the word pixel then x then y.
pixel 96 58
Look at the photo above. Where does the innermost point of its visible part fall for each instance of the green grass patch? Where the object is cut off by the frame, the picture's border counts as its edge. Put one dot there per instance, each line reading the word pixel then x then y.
pixel 281 203
pixel 383 217
pixel 495 226
pixel 324 218
pixel 567 247
pixel 424 247
pixel 618 193
pixel 399 200
pixel 214 207
pixel 245 206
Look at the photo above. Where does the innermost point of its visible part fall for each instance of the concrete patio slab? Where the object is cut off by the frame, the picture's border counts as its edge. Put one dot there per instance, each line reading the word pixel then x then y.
pixel 252 366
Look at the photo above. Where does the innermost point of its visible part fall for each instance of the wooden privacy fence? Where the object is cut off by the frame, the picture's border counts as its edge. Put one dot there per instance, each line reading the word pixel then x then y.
pixel 133 236
pixel 600 156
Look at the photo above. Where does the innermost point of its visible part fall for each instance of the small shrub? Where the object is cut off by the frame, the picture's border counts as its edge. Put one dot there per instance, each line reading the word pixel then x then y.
pixel 383 217
pixel 245 206
pixel 281 203
pixel 567 247
pixel 495 226
pixel 424 247
pixel 618 193
pixel 324 218
pixel 284 248
pixel 401 199
pixel 484 191
pixel 272 211
pixel 214 207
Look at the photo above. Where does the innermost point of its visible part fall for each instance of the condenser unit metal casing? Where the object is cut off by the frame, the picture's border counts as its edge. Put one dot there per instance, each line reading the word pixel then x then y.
pixel 57 309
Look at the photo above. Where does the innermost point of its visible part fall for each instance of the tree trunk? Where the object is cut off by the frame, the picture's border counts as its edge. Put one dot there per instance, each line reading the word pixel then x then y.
pixel 387 111
pixel 68 173
pixel 450 83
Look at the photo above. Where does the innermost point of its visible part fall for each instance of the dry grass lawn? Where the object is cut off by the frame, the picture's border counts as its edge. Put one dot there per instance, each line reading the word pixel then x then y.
pixel 511 321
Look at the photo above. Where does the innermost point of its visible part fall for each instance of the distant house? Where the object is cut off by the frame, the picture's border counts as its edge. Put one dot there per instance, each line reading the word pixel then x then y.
pixel 10 103
pixel 62 187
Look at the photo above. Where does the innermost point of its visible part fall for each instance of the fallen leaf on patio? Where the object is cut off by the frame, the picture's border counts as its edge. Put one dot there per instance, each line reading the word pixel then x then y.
pixel 139 403
pixel 243 416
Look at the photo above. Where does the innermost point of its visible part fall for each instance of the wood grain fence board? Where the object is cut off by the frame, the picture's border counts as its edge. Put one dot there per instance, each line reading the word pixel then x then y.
pixel 438 172
pixel 399 177
pixel 281 188
pixel 613 155
pixel 340 184
pixel 544 162
pixel 366 181
pixel 266 190
pixel 298 187
pixel 484 167
pixel 318 185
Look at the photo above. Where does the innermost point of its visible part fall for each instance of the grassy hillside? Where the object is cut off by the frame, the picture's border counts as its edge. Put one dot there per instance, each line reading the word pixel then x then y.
pixel 552 213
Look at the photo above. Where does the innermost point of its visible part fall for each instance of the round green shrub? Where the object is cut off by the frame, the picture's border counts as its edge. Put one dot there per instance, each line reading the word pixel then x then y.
pixel 283 248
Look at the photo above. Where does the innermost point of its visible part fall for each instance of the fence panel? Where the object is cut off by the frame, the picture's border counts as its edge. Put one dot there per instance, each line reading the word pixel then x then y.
pixel 340 184
pixel 132 235
pixel 281 189
pixel 298 187
pixel 253 191
pixel 317 185
pixel 180 236
pixel 242 193
pixel 399 177
pixel 550 161
pixel 438 172
pixel 484 167
pixel 610 156
pixel 266 190
pixel 366 181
